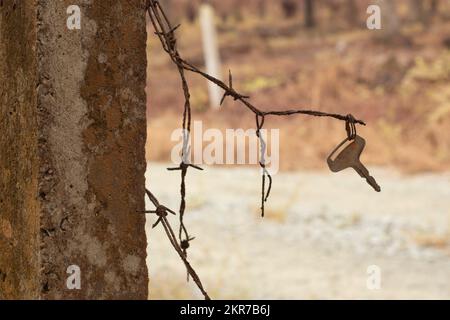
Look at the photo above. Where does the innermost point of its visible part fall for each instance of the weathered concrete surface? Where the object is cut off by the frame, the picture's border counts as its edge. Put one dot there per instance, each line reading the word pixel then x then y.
pixel 86 151
pixel 19 208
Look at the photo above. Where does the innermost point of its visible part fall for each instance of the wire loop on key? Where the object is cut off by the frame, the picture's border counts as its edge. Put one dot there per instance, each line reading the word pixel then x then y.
pixel 350 127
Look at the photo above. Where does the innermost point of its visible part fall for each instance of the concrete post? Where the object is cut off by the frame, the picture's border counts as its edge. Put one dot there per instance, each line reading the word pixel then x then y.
pixel 211 52
pixel 72 163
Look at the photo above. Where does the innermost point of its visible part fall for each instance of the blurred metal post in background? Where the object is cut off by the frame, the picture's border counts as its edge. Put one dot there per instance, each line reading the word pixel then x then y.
pixel 211 52
pixel 389 19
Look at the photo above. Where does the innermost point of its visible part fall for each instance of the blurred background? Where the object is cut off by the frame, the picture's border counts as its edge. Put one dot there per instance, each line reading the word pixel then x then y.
pixel 323 231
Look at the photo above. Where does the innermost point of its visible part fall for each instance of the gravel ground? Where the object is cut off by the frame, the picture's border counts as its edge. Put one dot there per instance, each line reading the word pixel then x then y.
pixel 321 233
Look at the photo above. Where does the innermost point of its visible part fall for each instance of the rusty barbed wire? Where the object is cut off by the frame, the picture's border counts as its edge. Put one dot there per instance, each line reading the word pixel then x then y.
pixel 161 212
pixel 165 32
pixel 160 22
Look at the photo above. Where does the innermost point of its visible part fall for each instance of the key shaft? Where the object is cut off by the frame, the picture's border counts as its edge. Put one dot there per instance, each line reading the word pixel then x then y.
pixel 364 173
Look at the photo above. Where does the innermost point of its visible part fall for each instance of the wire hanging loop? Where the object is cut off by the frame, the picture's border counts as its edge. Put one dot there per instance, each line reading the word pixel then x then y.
pixel 260 118
pixel 350 127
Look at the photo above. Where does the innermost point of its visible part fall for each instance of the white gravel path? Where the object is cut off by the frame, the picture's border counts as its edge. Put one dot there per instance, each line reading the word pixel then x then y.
pixel 321 233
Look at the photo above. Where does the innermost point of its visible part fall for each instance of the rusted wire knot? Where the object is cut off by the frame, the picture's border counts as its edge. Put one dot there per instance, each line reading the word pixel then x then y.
pixel 185 243
pixel 169 37
pixel 230 92
pixel 161 212
pixel 350 127
pixel 184 166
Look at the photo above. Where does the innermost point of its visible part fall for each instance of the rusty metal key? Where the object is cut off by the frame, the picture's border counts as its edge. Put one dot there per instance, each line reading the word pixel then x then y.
pixel 349 158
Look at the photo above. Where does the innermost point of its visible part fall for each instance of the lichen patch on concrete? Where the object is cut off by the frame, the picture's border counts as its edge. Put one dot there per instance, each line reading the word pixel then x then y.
pixel 131 264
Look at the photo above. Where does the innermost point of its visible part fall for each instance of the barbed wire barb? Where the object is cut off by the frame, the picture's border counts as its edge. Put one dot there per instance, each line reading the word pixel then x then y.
pixel 161 212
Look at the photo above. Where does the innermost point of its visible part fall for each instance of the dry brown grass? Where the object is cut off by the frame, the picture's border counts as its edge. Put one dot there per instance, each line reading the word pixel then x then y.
pixel 441 241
